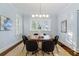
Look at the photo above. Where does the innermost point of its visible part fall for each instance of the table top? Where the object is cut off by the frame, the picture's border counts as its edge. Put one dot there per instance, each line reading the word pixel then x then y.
pixel 40 38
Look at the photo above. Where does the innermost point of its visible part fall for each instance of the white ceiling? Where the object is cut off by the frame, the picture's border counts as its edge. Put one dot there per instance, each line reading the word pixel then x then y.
pixel 35 8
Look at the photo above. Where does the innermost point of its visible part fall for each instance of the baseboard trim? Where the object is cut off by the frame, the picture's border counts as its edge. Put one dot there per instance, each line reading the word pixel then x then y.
pixel 69 50
pixel 9 49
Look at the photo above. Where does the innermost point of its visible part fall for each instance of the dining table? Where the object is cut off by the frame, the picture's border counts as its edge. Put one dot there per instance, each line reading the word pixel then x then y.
pixel 40 38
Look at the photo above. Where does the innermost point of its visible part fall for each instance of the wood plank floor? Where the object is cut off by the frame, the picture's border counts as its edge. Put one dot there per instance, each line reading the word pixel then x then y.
pixel 18 52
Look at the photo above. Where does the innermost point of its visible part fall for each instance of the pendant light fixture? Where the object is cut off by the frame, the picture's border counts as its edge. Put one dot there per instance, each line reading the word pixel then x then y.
pixel 40 15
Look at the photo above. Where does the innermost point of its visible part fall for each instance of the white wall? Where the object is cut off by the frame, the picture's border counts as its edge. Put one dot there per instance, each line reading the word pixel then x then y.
pixel 54 25
pixel 78 30
pixel 53 29
pixel 69 14
pixel 8 38
pixel 26 23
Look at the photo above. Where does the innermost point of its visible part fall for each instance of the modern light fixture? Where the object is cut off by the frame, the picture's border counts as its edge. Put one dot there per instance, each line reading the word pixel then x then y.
pixel 41 15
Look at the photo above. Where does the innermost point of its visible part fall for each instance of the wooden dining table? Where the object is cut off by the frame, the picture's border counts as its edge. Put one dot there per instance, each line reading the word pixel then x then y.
pixel 39 39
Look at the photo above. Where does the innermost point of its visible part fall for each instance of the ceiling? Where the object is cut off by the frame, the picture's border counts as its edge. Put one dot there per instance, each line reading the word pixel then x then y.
pixel 43 8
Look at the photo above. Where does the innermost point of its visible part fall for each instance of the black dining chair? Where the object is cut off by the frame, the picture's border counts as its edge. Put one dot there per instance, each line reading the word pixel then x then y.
pixel 35 33
pixel 47 47
pixel 55 40
pixel 31 46
pixel 24 41
pixel 44 33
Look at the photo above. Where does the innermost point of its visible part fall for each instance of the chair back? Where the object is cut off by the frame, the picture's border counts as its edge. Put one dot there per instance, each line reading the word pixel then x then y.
pixel 35 33
pixel 24 39
pixel 47 46
pixel 31 45
pixel 44 33
pixel 56 39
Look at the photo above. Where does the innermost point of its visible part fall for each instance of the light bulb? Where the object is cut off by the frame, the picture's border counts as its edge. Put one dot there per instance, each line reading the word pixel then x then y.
pixel 36 15
pixel 43 15
pixel 33 15
pixel 40 16
pixel 47 15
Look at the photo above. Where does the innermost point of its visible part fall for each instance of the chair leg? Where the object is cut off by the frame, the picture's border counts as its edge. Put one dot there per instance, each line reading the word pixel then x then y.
pixel 27 53
pixel 57 49
pixel 43 53
pixel 47 52
pixel 35 54
pixel 52 53
pixel 23 48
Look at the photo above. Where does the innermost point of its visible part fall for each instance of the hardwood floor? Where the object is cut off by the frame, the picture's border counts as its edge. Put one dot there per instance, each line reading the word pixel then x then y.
pixel 18 52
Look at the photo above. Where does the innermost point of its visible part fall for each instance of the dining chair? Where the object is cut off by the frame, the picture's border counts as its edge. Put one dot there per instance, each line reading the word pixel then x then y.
pixel 35 33
pixel 44 33
pixel 48 47
pixel 31 46
pixel 55 40
pixel 24 41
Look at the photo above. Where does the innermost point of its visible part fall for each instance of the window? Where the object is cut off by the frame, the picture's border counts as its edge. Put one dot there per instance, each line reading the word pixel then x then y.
pixel 64 26
pixel 40 25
